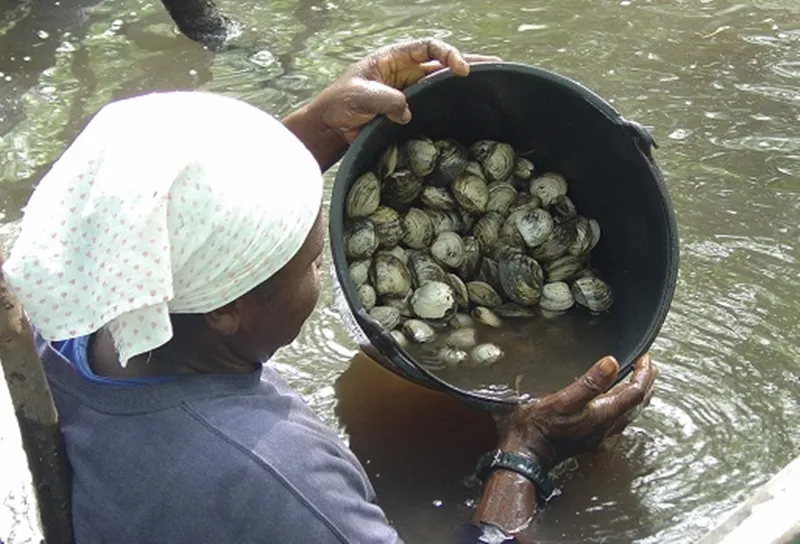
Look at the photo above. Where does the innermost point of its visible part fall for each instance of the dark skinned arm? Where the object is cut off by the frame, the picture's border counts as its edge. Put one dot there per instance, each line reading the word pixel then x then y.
pixel 326 145
pixel 572 421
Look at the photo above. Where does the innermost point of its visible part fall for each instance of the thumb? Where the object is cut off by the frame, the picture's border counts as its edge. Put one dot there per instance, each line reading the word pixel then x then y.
pixel 382 99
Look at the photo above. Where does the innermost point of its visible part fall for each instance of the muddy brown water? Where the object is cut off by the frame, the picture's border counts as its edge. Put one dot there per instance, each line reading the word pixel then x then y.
pixel 718 84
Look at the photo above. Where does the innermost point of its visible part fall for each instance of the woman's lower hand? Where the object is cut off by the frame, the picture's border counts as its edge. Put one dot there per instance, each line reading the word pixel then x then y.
pixel 578 418
pixel 373 85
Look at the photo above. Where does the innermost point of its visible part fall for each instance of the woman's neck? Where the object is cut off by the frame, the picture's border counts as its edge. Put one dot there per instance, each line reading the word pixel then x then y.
pixel 171 359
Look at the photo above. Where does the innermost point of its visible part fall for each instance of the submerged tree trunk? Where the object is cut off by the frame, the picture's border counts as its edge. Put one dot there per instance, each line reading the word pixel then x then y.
pixel 37 417
pixel 201 21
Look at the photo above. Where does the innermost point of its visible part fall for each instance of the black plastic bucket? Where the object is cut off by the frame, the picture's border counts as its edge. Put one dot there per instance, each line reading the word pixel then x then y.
pixel 612 174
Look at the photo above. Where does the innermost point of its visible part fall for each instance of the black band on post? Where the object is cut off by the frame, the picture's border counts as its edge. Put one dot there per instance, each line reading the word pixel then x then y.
pixel 520 464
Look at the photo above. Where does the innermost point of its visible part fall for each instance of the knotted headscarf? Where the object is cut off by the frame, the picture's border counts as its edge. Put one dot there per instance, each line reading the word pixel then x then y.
pixel 175 202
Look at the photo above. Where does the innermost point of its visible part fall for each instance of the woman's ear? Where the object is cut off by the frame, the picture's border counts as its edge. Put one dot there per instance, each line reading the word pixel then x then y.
pixel 226 320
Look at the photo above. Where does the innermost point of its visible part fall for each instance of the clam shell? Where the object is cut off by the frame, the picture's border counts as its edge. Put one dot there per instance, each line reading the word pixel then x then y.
pixel 364 196
pixel 443 221
pixel 418 229
pixel 448 249
pixel 421 155
pixel 503 250
pixel 438 198
pixel 361 240
pixel 595 228
pixel 593 293
pixel 487 317
pixel 487 229
pixel 418 331
pixel 583 237
pixel 424 269
pixel 475 168
pixel 359 271
pixel 564 207
pixel 400 187
pixel 534 225
pixel 488 273
pixel 585 273
pixel 496 158
pixel 367 296
pixel 482 294
pixel 388 226
pixel 523 202
pixel 459 290
pixel 512 309
pixel 400 253
pixel 471 193
pixel 434 300
pixel 561 238
pixel 563 268
pixel 453 158
pixel 391 159
pixel 472 257
pixel 556 297
pixel 467 221
pixel 521 278
pixel 389 276
pixel 402 303
pixel 549 188
pixel 400 338
pixel 523 169
pixel 501 195
pixel 509 233
pixel 452 357
pixel 388 317
pixel 464 338
pixel 485 355
pixel 461 320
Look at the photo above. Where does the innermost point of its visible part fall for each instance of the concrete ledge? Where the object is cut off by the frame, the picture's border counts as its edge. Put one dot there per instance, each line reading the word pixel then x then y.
pixel 771 515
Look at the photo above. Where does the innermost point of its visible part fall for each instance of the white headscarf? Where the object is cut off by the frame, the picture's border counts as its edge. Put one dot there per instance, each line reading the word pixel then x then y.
pixel 174 202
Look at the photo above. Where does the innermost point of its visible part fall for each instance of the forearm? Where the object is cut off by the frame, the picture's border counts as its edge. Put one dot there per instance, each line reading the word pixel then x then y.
pixel 509 500
pixel 307 124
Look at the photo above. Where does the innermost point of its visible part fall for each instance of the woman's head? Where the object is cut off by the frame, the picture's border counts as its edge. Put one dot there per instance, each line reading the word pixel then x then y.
pixel 174 203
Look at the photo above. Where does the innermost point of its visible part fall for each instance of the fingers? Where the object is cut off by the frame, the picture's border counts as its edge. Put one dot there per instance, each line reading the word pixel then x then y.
pixel 629 399
pixel 429 49
pixel 382 99
pixel 434 65
pixel 576 396
pixel 473 58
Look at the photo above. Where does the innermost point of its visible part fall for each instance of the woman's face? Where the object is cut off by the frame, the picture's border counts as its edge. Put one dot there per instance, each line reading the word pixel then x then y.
pixel 272 315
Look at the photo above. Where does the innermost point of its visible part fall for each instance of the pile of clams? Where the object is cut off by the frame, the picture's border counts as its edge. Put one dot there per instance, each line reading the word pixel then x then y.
pixel 441 236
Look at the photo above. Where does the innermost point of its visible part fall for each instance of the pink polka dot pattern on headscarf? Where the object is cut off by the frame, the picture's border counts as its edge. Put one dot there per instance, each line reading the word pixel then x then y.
pixel 166 203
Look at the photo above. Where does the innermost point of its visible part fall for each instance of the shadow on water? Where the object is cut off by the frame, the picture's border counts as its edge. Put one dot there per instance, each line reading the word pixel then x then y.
pixel 420 447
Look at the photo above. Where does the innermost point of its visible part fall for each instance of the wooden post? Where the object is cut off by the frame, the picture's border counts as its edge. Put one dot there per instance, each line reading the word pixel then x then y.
pixel 201 21
pixel 37 418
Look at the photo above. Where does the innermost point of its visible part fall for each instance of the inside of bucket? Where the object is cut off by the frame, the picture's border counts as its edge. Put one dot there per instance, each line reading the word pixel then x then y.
pixel 608 181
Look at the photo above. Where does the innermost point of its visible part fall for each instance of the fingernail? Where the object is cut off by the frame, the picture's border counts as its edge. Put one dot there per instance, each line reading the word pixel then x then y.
pixel 608 366
pixel 406 117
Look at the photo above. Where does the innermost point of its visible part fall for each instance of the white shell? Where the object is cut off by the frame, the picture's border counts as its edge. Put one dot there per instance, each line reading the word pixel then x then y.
pixel 359 271
pixel 556 297
pixel 419 331
pixel 388 317
pixel 593 293
pixel 400 338
pixel 461 320
pixel 487 317
pixel 452 357
pixel 549 188
pixel 434 300
pixel 485 354
pixel 367 295
pixel 448 249
pixel 465 338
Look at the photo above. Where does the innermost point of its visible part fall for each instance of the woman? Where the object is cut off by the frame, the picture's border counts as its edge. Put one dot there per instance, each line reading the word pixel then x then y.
pixel 174 247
